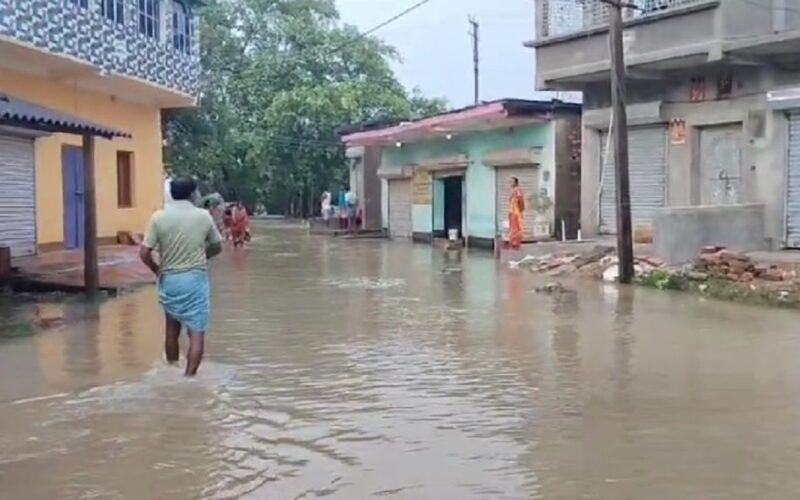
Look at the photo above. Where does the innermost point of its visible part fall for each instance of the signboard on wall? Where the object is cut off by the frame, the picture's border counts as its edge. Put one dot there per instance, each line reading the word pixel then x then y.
pixel 677 131
pixel 422 182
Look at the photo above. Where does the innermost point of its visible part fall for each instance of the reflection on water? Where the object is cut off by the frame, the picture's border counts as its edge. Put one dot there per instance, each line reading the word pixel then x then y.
pixel 367 369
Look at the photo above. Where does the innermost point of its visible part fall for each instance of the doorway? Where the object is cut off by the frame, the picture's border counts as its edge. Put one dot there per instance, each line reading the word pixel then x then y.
pixel 721 165
pixel 72 184
pixel 453 204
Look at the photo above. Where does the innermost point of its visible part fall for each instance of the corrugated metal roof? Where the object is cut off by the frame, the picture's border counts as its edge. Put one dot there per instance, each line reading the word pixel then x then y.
pixel 18 113
pixel 515 107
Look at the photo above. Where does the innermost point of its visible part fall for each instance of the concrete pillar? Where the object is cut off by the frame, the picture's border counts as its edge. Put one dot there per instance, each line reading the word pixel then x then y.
pixel 91 271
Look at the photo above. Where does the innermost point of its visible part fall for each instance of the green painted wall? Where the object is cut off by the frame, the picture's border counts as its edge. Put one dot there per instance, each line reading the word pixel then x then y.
pixel 438 205
pixel 480 178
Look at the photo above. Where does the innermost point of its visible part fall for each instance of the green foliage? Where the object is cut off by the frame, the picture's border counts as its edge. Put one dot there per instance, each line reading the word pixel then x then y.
pixel 279 78
pixel 664 280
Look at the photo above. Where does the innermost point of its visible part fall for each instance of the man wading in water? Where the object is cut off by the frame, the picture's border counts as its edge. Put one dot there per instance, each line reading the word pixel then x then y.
pixel 185 237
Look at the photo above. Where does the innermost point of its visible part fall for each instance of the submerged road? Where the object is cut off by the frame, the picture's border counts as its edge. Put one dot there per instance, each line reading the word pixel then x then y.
pixel 370 369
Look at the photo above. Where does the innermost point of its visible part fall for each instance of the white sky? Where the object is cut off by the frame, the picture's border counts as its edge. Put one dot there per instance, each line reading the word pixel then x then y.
pixel 437 50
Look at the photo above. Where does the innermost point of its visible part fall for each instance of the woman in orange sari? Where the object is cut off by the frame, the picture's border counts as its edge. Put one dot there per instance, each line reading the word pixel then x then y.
pixel 240 225
pixel 516 207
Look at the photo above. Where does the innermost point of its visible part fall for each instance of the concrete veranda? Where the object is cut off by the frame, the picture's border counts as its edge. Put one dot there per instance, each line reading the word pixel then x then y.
pixel 62 270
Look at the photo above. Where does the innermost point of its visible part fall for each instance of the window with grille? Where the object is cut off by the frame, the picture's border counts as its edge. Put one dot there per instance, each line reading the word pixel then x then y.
pixel 149 18
pixel 124 179
pixel 80 3
pixel 113 10
pixel 181 28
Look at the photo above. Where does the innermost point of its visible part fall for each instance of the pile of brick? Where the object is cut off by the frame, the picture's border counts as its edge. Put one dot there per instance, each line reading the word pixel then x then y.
pixel 719 262
pixel 599 262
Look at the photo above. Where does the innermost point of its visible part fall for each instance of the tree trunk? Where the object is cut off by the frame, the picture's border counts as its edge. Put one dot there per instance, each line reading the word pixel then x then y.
pixel 304 198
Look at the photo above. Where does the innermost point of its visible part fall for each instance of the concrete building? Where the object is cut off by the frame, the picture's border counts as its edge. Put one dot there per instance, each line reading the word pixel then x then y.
pixel 365 183
pixel 714 97
pixel 116 63
pixel 453 171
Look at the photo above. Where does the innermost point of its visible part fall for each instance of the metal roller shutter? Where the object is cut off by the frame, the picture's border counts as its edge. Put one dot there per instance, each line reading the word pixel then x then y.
pixel 793 184
pixel 528 176
pixel 400 208
pixel 17 196
pixel 647 152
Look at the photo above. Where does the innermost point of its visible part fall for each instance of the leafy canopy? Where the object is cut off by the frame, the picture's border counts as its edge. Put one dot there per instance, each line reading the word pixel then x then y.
pixel 279 78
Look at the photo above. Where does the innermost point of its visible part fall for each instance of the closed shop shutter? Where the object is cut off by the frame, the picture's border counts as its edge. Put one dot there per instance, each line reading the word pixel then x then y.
pixel 647 159
pixel 793 184
pixel 528 176
pixel 400 208
pixel 17 196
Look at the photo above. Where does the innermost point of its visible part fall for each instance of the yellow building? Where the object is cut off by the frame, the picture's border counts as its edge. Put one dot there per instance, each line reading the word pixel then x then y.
pixel 117 64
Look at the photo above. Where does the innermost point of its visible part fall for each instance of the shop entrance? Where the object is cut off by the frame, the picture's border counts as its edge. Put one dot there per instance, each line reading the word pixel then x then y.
pixel 453 204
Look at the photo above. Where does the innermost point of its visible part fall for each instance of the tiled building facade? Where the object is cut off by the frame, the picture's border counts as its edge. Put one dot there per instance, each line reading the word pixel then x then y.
pixel 113 42
pixel 117 63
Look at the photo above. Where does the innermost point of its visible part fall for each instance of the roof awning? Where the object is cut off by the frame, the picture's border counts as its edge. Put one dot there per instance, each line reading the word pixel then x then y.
pixel 784 99
pixel 23 114
pixel 513 157
pixel 493 115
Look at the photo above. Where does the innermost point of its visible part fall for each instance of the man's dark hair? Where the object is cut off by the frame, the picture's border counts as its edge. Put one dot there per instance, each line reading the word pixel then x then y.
pixel 182 189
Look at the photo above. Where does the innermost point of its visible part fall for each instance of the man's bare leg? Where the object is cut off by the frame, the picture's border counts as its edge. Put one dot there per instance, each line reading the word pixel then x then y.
pixel 171 345
pixel 194 355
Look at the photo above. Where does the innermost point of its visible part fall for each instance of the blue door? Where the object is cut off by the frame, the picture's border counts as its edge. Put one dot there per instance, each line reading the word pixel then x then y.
pixel 72 181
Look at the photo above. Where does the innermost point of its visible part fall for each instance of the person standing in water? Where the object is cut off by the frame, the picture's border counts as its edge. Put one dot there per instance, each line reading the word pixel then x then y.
pixel 240 230
pixel 351 201
pixel 516 208
pixel 325 206
pixel 185 237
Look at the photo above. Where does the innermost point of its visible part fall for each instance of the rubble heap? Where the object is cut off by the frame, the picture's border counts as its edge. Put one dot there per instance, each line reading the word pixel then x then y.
pixel 718 262
pixel 600 262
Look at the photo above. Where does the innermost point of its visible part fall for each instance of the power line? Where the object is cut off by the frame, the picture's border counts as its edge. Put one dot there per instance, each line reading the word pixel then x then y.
pixel 394 18
pixel 383 24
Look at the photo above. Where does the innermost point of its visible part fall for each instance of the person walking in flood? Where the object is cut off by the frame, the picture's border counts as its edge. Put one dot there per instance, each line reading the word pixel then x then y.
pixel 516 208
pixel 240 229
pixel 185 237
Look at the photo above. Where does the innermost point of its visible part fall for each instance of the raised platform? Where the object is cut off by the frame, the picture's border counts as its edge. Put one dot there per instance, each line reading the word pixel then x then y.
pixel 334 228
pixel 679 233
pixel 62 271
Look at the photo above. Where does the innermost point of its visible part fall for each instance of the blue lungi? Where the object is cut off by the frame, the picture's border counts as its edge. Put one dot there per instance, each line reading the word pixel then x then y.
pixel 186 297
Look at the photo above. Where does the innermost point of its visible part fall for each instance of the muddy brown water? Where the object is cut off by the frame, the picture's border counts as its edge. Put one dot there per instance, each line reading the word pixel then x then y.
pixel 383 370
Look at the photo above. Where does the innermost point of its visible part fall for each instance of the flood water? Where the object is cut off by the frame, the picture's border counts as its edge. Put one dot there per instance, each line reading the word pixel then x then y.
pixel 354 370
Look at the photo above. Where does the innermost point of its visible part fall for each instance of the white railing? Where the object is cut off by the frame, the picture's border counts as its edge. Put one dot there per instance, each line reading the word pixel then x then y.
pixel 563 17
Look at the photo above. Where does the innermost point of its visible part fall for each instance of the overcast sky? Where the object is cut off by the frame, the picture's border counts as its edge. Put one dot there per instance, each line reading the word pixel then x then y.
pixel 437 50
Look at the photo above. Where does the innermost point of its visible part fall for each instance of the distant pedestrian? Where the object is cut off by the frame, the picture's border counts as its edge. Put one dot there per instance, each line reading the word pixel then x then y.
pixel 325 206
pixel 351 202
pixel 516 209
pixel 167 191
pixel 214 208
pixel 227 223
pixel 185 237
pixel 341 205
pixel 240 229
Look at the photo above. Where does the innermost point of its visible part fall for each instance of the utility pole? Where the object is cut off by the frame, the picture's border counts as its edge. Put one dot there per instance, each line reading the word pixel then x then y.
pixel 620 118
pixel 475 35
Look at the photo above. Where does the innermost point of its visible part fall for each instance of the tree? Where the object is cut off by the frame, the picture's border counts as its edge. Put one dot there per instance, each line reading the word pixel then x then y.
pixel 279 78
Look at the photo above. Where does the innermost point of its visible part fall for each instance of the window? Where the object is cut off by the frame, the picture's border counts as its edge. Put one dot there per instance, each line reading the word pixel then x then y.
pixel 113 10
pixel 80 3
pixel 181 28
pixel 124 179
pixel 149 18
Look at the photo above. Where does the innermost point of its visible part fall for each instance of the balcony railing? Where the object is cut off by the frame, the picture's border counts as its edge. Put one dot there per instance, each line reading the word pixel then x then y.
pixel 564 17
